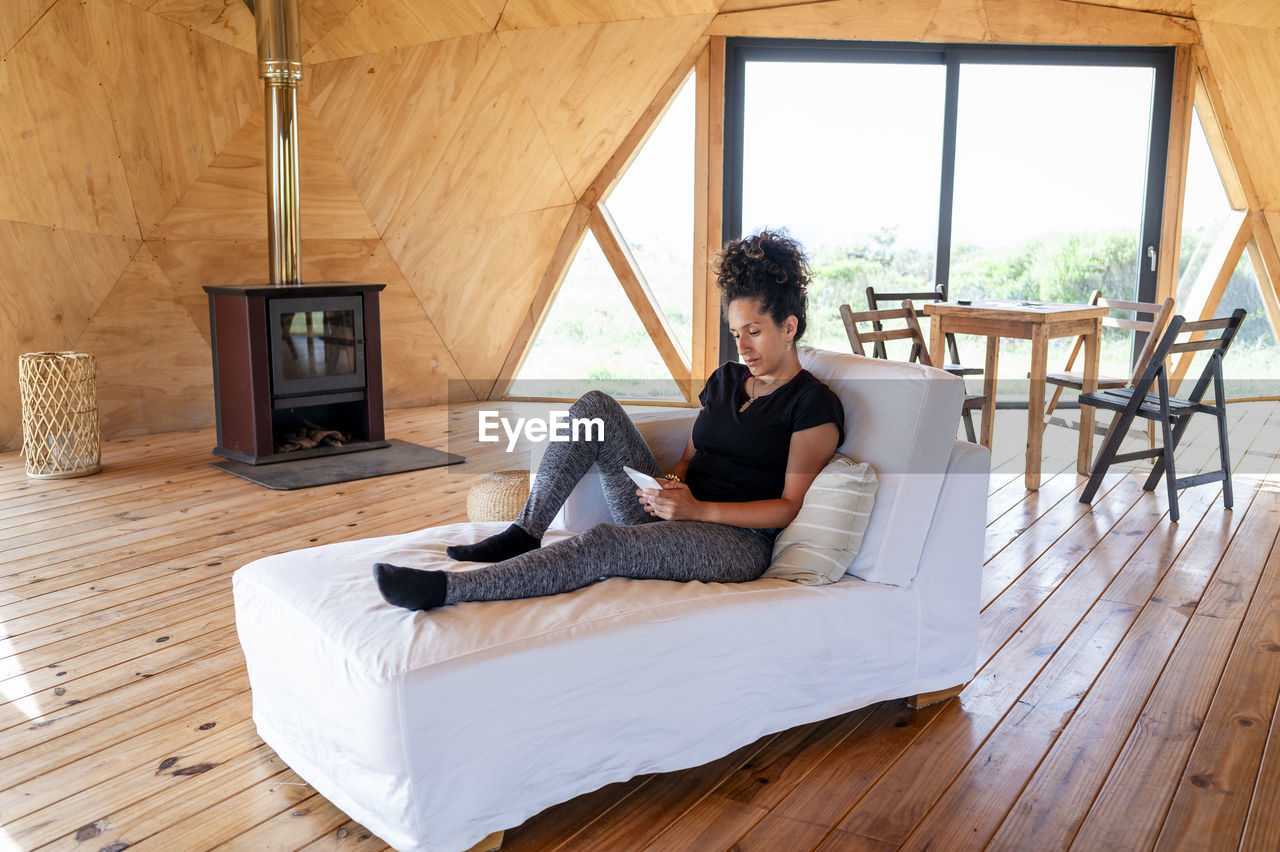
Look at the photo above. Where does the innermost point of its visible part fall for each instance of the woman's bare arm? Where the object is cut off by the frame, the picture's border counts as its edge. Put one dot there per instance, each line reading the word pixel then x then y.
pixel 682 466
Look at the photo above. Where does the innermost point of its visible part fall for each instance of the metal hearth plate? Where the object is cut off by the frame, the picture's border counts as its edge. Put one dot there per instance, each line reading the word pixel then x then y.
pixel 398 457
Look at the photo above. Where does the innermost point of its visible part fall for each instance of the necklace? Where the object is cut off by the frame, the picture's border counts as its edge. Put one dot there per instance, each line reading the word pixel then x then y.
pixel 751 397
pixel 751 393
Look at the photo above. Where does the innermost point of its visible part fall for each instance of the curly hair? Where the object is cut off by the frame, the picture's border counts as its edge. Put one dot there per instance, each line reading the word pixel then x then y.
pixel 769 266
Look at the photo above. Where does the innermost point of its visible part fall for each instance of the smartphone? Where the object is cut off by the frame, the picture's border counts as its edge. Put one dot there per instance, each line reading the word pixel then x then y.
pixel 642 480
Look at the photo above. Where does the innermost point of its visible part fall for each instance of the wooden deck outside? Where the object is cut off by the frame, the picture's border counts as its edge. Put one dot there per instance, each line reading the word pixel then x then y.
pixel 1127 696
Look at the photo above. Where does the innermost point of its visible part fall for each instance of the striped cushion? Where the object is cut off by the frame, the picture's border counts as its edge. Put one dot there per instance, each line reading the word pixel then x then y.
pixel 820 544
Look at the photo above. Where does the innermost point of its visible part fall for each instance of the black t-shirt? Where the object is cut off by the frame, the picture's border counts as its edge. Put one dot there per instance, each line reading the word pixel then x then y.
pixel 741 456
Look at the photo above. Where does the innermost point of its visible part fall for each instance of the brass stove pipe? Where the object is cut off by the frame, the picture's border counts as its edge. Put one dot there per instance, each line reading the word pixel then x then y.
pixel 280 66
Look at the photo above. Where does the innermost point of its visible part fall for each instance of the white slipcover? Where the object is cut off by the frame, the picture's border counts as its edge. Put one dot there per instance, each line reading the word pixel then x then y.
pixel 435 729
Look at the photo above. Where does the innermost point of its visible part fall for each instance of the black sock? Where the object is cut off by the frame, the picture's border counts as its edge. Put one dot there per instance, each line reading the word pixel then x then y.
pixel 410 588
pixel 510 542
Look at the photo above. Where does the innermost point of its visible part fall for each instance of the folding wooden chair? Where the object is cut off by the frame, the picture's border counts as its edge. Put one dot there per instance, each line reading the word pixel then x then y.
pixel 938 294
pixel 1070 378
pixel 1171 413
pixel 877 335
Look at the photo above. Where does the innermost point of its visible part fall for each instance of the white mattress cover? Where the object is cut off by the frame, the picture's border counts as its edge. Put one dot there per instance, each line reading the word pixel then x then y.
pixel 435 729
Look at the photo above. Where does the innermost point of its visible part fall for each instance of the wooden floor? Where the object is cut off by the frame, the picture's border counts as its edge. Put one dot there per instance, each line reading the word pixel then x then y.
pixel 1126 698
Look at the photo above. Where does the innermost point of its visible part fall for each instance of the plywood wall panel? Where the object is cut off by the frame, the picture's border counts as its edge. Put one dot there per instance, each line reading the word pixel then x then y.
pixel 228 21
pixel 417 368
pixel 533 14
pixel 467 147
pixel 491 160
pixel 16 18
pixel 1272 218
pixel 51 283
pixel 476 280
pixel 154 368
pixel 888 20
pixel 1246 65
pixel 1012 21
pixel 959 20
pixel 378 26
pixel 381 111
pixel 176 97
pixel 1065 22
pixel 316 18
pixel 1181 8
pixel 1264 14
pixel 229 200
pixel 745 5
pixel 589 84
pixel 189 265
pixel 59 161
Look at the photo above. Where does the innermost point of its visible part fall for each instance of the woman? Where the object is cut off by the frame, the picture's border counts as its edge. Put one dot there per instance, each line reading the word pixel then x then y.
pixel 766 429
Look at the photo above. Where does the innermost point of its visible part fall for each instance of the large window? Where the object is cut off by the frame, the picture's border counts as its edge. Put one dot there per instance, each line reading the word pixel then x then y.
pixel 989 170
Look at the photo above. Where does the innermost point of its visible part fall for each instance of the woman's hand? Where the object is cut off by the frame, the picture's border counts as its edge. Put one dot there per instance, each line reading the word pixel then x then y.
pixel 673 502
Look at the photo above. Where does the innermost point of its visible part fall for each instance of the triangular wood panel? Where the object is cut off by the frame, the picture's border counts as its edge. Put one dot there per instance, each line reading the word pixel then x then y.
pixel 176 98
pixel 229 201
pixel 228 21
pixel 16 18
pixel 378 26
pixel 154 370
pixel 1246 63
pixel 54 282
pixel 59 161
pixel 475 294
pixel 417 368
pixel 191 264
pixel 589 84
pixel 533 14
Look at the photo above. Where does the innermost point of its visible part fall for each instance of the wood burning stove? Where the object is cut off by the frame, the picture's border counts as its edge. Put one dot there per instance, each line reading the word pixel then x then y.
pixel 292 361
pixel 294 358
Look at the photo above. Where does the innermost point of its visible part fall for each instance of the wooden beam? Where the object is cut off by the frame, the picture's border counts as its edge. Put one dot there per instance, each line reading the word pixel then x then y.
pixel 1266 263
pixel 1212 281
pixel 552 278
pixel 1175 176
pixel 637 289
pixel 1228 157
pixel 708 209
pixel 617 164
pixel 1010 21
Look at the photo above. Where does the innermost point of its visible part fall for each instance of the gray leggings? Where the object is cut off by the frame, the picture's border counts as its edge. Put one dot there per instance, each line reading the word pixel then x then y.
pixel 635 545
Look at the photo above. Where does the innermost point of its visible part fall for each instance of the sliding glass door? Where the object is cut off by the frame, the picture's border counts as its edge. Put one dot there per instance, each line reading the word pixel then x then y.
pixel 991 171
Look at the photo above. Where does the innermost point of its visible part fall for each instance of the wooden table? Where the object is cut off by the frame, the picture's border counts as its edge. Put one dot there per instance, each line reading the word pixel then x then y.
pixel 1037 322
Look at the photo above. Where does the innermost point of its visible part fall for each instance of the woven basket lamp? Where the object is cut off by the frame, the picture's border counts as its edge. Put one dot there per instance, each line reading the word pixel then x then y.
pixel 498 496
pixel 59 414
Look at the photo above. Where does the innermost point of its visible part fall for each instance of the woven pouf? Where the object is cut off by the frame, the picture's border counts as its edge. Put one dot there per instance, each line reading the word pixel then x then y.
pixel 498 496
pixel 59 414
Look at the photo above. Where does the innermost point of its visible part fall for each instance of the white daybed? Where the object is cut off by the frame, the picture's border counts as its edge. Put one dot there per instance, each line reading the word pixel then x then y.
pixel 436 729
